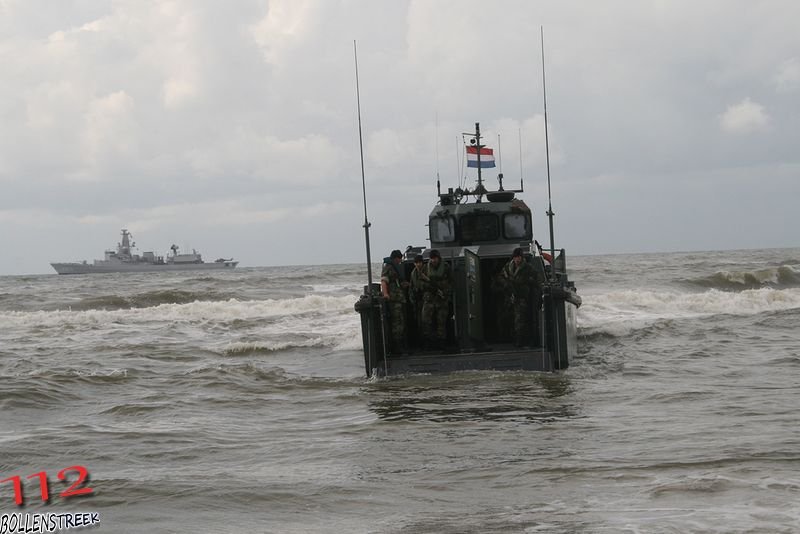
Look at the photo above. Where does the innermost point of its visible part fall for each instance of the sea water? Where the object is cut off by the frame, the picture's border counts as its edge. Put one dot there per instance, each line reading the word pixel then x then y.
pixel 236 401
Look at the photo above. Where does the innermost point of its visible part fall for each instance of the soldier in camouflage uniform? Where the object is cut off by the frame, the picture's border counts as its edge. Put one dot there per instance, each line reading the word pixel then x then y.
pixel 393 288
pixel 523 287
pixel 416 298
pixel 436 283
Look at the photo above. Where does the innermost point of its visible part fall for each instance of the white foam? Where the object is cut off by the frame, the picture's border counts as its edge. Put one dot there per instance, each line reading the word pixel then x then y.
pixel 620 311
pixel 227 310
pixel 276 324
pixel 333 288
pixel 240 347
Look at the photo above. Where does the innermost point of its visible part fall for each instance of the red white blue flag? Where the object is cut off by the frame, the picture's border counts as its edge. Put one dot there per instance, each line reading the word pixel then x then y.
pixel 487 157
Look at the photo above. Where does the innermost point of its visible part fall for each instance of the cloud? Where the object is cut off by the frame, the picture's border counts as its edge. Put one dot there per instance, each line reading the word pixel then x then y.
pixel 240 118
pixel 787 80
pixel 743 118
pixel 285 25
pixel 111 133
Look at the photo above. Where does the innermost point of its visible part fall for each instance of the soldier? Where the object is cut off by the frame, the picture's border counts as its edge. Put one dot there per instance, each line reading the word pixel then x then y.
pixel 523 287
pixel 502 305
pixel 415 296
pixel 436 284
pixel 393 288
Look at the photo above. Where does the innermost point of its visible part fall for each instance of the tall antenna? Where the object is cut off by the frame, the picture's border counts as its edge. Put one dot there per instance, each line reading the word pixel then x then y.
pixel 438 184
pixel 519 133
pixel 363 179
pixel 370 337
pixel 460 162
pixel 550 213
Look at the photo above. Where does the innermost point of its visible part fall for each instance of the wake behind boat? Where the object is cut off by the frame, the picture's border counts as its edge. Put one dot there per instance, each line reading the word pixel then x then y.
pixel 124 261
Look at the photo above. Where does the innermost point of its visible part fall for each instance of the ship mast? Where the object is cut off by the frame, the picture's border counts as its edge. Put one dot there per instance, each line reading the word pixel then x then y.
pixel 479 190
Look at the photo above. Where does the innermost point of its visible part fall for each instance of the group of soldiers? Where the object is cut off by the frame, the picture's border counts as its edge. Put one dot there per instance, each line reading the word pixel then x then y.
pixel 429 293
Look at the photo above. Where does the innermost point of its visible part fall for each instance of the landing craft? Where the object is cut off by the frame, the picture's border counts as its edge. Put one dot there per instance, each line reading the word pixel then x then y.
pixel 477 239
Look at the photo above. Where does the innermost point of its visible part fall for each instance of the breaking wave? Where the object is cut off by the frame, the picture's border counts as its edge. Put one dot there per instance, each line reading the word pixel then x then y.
pixel 337 340
pixel 145 300
pixel 220 310
pixel 229 327
pixel 620 312
pixel 781 277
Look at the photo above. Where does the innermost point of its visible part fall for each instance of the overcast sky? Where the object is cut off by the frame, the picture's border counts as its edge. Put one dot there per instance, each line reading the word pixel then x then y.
pixel 231 127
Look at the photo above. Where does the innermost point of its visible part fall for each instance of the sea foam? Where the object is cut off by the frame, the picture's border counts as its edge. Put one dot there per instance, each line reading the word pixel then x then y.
pixel 619 312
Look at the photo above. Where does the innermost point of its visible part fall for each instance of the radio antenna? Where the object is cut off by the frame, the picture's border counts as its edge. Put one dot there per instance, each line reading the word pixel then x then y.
pixel 370 340
pixel 363 179
pixel 438 184
pixel 550 213
pixel 519 133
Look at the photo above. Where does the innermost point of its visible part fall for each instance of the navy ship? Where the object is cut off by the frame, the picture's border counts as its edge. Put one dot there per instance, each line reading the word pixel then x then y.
pixel 476 232
pixel 123 260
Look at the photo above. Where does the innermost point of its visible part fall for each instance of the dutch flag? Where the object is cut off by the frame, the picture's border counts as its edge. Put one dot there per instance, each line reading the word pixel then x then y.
pixel 487 157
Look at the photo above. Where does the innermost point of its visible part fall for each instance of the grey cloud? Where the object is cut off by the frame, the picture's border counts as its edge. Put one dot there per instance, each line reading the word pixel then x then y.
pixel 168 116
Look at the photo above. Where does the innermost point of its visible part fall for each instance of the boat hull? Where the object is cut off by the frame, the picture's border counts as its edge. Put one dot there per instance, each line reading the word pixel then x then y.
pixel 557 322
pixel 88 268
pixel 503 359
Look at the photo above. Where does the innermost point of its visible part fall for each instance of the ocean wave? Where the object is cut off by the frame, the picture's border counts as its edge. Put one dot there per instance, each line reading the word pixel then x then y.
pixel 231 329
pixel 778 277
pixel 72 376
pixel 145 300
pixel 135 409
pixel 197 311
pixel 240 348
pixel 334 288
pixel 702 484
pixel 620 312
pixel 251 376
pixel 337 334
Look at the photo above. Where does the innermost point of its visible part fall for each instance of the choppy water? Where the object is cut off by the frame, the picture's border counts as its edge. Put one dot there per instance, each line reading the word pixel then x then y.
pixel 236 402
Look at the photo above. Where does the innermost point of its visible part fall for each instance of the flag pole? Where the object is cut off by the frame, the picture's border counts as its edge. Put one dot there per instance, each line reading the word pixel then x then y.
pixel 479 189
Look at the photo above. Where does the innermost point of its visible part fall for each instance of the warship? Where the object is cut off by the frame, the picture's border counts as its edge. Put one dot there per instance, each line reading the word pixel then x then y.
pixel 123 260
pixel 477 239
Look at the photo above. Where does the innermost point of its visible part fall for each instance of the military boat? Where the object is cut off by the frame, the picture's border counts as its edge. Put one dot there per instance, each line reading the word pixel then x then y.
pixel 123 260
pixel 476 232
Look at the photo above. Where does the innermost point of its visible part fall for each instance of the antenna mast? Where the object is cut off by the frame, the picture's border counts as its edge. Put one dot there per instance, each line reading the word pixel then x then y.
pixel 438 184
pixel 363 179
pixel 519 132
pixel 550 213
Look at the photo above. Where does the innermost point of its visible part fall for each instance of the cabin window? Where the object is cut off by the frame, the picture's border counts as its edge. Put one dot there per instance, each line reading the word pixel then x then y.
pixel 516 226
pixel 442 229
pixel 482 227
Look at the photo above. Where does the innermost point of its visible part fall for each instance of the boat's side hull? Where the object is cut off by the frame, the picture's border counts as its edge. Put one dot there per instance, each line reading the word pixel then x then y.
pixel 86 268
